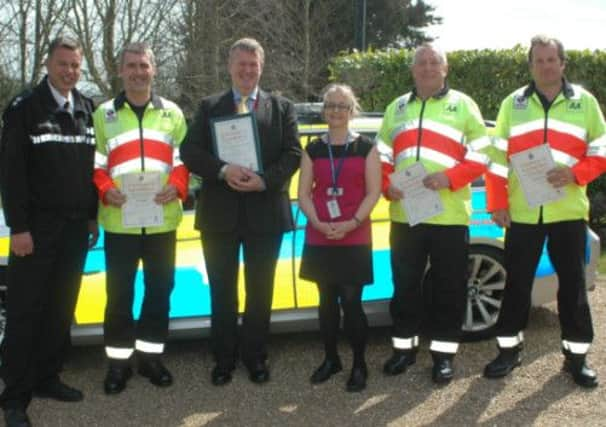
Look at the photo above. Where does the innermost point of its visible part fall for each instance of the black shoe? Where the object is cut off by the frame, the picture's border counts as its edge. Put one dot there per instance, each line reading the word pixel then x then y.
pixel 399 362
pixel 442 371
pixel 582 374
pixel 116 378
pixel 57 390
pixel 357 379
pixel 154 369
pixel 16 417
pixel 258 372
pixel 507 360
pixel 326 370
pixel 221 374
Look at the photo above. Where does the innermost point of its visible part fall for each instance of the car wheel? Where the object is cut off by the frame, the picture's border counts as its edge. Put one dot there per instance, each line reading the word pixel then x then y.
pixel 485 288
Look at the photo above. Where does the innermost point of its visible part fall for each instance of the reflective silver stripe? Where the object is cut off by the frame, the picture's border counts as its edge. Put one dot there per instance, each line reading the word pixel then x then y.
pixel 565 158
pixel 134 165
pixel 499 170
pixel 554 124
pixel 121 353
pixel 133 135
pixel 477 157
pixel 479 143
pixel 405 343
pixel 403 127
pixel 100 161
pixel 599 142
pixel 427 154
pixel 510 342
pixel 527 127
pixel 500 143
pixel 436 156
pixel 568 128
pixel 576 347
pixel 597 151
pixel 67 139
pixel 385 151
pixel 597 147
pixel 443 129
pixel 90 131
pixel 149 347
pixel 444 346
pixel 176 157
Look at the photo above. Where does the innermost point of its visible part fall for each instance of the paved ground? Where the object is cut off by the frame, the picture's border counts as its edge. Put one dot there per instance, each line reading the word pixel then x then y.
pixel 537 394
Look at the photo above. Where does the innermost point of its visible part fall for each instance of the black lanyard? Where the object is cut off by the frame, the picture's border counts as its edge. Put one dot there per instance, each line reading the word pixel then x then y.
pixel 336 172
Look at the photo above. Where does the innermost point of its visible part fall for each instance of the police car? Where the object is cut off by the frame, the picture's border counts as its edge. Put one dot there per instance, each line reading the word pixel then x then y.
pixel 295 300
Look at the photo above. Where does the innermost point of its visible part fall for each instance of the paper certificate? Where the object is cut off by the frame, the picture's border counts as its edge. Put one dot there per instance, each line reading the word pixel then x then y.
pixel 140 210
pixel 236 140
pixel 531 167
pixel 420 203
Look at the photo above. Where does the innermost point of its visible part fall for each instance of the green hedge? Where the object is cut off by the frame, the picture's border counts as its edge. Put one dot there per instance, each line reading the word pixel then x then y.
pixel 488 76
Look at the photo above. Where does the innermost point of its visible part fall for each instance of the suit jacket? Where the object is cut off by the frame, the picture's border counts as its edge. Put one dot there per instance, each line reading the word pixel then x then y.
pixel 218 205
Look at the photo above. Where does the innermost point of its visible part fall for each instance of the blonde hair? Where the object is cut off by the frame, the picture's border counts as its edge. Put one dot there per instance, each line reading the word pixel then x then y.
pixel 344 90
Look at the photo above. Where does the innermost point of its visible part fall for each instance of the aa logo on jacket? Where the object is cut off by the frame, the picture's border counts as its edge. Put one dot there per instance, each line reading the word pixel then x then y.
pixel 575 106
pixel 450 108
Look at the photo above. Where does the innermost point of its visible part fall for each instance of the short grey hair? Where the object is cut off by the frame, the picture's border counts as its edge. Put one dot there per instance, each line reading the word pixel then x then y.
pixel 344 90
pixel 140 48
pixel 248 45
pixel 430 46
pixel 543 40
pixel 65 42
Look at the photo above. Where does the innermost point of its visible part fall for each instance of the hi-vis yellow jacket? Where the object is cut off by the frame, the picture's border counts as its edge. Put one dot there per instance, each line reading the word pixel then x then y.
pixel 445 133
pixel 126 145
pixel 574 129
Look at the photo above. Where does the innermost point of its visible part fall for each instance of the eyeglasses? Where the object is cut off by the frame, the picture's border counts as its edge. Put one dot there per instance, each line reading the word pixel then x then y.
pixel 336 107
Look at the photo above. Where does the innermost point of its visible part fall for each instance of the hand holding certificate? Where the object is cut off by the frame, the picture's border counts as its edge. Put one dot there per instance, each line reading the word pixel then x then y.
pixel 140 209
pixel 531 167
pixel 420 203
pixel 236 141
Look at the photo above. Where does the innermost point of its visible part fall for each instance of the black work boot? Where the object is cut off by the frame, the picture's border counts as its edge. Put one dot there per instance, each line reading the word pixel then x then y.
pixel 399 361
pixel 583 375
pixel 442 371
pixel 118 374
pixel 507 360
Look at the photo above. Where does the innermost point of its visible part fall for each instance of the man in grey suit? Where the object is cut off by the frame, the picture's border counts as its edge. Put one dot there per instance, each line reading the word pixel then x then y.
pixel 238 207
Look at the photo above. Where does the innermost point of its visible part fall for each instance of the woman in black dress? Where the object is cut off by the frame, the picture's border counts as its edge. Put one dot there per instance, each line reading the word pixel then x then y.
pixel 339 184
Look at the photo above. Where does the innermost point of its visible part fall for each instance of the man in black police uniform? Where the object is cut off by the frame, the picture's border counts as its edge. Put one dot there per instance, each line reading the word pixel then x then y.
pixel 47 154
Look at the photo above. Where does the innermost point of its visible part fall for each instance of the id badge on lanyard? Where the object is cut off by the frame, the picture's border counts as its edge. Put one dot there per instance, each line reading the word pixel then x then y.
pixel 334 211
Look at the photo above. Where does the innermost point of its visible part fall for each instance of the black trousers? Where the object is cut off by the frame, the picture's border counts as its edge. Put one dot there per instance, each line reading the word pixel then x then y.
pixel 222 254
pixel 446 248
pixel 122 255
pixel 333 297
pixel 566 243
pixel 42 292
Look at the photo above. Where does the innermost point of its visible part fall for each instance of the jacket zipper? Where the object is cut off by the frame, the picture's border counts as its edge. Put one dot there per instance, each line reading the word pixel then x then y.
pixel 420 132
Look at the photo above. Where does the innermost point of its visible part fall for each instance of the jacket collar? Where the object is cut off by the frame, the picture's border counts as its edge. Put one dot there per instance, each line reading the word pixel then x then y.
pixel 43 89
pixel 120 100
pixel 567 89
pixel 438 95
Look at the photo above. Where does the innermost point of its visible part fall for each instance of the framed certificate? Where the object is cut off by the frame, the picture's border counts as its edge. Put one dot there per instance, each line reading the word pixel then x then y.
pixel 236 140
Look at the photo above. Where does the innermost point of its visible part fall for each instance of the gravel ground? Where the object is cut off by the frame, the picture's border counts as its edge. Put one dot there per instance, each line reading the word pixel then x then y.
pixel 538 393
